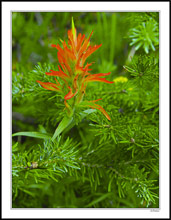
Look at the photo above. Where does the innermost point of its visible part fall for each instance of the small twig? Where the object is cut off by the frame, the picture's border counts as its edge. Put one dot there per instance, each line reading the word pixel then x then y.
pixel 111 168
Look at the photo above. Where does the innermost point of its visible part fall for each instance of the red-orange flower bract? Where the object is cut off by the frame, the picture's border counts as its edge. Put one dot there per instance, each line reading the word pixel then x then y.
pixel 73 70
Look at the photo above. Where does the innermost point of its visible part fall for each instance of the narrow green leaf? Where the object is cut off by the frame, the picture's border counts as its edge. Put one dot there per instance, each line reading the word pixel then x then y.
pixel 51 175
pixel 28 192
pixel 73 166
pixel 83 115
pixel 113 136
pixel 87 112
pixel 63 124
pixel 152 46
pixel 34 134
pixel 129 69
pixel 110 183
pixel 113 36
pixel 123 142
pixel 101 198
pixel 146 47
pixel 14 147
pixel 138 46
pixel 100 32
pixel 105 30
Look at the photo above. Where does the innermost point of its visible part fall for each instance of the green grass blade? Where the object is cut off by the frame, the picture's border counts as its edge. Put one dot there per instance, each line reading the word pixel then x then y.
pixel 101 198
pixel 32 134
pixel 63 124
pixel 113 37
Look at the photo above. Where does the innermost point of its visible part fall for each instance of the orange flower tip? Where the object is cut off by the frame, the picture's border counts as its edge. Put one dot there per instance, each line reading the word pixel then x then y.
pixel 90 35
pixel 96 100
pixel 91 107
pixel 68 96
pixel 53 45
pixel 108 73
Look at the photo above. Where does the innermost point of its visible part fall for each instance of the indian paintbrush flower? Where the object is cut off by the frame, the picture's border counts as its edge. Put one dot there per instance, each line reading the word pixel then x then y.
pixel 74 72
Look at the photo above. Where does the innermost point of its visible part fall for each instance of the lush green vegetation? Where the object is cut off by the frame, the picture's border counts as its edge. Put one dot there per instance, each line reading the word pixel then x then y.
pixel 86 160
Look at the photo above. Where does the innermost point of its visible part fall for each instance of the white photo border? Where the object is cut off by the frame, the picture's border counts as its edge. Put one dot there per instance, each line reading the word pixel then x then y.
pixel 6 9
